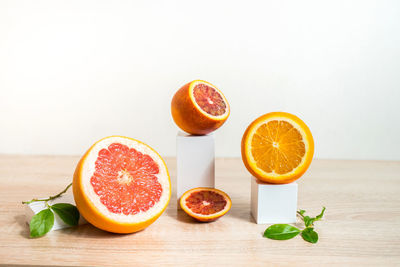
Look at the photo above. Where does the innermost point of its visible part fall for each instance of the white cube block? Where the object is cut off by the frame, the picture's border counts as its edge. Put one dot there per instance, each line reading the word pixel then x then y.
pixel 273 203
pixel 195 159
pixel 36 207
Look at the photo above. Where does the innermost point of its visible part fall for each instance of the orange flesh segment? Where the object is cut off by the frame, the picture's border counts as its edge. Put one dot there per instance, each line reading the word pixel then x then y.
pixel 209 99
pixel 125 180
pixel 277 147
pixel 205 202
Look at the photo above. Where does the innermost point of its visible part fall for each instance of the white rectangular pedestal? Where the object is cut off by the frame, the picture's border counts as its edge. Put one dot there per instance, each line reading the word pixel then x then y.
pixel 195 159
pixel 36 207
pixel 273 203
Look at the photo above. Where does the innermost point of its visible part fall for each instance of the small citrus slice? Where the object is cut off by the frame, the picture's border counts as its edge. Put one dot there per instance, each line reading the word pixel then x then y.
pixel 205 204
pixel 277 148
pixel 121 185
pixel 199 108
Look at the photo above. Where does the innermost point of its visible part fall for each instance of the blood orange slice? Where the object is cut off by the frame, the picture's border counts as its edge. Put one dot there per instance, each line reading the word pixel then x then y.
pixel 205 204
pixel 199 108
pixel 121 185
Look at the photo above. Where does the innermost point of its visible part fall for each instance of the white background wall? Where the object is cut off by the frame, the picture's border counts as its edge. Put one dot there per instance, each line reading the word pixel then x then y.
pixel 72 72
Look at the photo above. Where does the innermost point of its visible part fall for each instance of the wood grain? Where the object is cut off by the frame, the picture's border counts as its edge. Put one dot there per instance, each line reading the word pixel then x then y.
pixel 361 225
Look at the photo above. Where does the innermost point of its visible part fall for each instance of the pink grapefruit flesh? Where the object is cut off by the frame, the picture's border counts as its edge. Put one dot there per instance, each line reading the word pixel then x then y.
pixel 125 180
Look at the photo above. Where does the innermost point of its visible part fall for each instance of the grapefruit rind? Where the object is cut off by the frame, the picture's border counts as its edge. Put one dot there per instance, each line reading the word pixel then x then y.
pixel 220 117
pixel 272 177
pixel 89 204
pixel 202 217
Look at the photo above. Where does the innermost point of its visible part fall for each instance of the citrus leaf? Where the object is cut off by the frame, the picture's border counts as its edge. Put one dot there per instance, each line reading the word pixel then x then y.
pixel 281 232
pixel 319 217
pixel 308 221
pixel 67 212
pixel 301 212
pixel 41 223
pixel 310 235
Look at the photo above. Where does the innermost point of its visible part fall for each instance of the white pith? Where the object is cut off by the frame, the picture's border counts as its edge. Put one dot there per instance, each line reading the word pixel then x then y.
pixel 193 85
pixel 295 125
pixel 88 169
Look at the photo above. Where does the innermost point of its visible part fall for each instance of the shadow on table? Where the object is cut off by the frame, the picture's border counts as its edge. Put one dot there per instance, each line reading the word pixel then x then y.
pixel 21 220
pixel 86 230
pixel 178 215
pixel 241 213
pixel 89 231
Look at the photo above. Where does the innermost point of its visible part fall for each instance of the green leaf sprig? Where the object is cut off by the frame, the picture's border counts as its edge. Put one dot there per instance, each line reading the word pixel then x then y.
pixel 42 222
pixel 287 231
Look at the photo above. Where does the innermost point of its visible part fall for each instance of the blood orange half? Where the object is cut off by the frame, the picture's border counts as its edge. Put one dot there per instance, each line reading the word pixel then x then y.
pixel 199 108
pixel 205 204
pixel 121 185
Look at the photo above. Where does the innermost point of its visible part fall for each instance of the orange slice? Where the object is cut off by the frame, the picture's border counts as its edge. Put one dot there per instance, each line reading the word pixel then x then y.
pixel 205 204
pixel 277 148
pixel 121 185
pixel 199 108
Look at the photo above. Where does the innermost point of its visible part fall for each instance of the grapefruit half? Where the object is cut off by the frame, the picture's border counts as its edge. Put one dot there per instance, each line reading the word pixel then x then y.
pixel 199 108
pixel 121 185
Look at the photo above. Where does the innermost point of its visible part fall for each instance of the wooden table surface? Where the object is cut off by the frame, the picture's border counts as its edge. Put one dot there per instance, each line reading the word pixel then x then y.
pixel 361 226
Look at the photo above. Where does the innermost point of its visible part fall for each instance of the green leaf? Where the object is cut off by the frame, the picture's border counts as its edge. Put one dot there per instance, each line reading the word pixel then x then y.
pixel 308 221
pixel 310 235
pixel 319 217
pixel 41 223
pixel 281 232
pixel 67 212
pixel 301 212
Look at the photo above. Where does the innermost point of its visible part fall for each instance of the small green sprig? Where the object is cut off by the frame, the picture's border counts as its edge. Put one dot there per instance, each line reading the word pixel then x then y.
pixel 287 231
pixel 42 222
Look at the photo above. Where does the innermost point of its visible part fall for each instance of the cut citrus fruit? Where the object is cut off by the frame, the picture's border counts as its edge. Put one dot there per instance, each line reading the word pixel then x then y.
pixel 277 148
pixel 199 108
pixel 121 185
pixel 205 204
